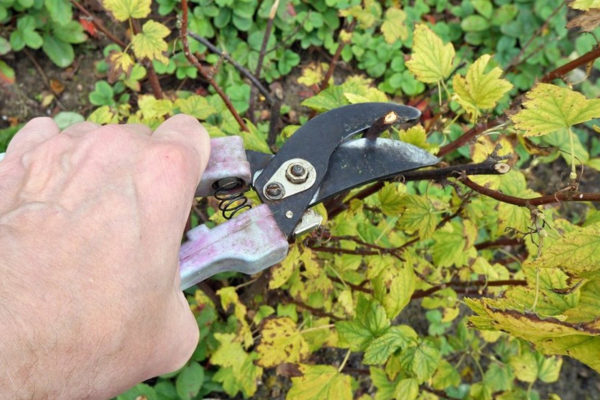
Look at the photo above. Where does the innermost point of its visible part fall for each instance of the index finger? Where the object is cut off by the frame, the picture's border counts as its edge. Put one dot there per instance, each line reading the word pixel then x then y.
pixel 186 130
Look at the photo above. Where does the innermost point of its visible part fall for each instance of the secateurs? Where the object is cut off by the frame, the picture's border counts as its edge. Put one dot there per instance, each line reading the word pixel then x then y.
pixel 330 154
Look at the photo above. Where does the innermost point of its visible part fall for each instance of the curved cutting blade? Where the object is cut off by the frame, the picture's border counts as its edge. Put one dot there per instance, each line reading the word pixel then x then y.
pixel 315 142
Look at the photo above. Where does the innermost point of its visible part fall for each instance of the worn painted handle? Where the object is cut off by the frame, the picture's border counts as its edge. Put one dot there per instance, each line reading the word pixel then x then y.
pixel 249 243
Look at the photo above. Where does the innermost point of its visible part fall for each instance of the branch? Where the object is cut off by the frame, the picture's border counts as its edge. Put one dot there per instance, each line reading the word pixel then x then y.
pixel 504 241
pixel 253 79
pixel 98 22
pixel 417 294
pixel 488 167
pixel 338 52
pixel 560 71
pixel 261 56
pixel 194 61
pixel 470 135
pixel 532 202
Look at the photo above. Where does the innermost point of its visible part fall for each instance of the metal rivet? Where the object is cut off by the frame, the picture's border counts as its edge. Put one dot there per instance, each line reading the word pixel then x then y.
pixel 296 173
pixel 274 191
pixel 289 214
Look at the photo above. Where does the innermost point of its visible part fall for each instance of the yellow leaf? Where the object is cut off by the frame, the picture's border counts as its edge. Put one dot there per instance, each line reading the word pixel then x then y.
pixel 480 91
pixel 281 342
pixel 320 382
pixel 229 298
pixel 417 136
pixel 393 27
pixel 122 61
pixel 103 115
pixel 585 4
pixel 393 287
pixel 152 108
pixel 484 147
pixel 432 60
pixel 283 271
pixel 125 9
pixel 196 106
pixel 150 42
pixel 313 73
pixel 550 108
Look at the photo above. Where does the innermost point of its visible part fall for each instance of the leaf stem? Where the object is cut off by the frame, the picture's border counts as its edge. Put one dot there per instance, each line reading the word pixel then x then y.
pixel 345 361
pixel 573 175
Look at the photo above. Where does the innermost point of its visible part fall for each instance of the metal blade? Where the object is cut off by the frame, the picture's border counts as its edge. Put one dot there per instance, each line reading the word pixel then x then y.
pixel 315 142
pixel 358 162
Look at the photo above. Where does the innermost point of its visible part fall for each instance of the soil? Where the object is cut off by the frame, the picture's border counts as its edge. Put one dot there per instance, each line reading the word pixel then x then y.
pixel 21 101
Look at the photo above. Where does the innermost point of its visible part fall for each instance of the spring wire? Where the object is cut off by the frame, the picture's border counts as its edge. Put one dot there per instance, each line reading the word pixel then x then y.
pixel 230 193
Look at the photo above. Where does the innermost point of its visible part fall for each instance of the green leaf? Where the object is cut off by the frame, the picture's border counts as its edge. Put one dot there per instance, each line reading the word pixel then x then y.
pixel 418 215
pixel 7 74
pixel 60 11
pixel 498 377
pixel 432 60
pixel 189 381
pixel 394 26
pixel 393 287
pixel 479 90
pixel 102 95
pixel 525 366
pixel 550 108
pixel 422 360
pixel 70 32
pixel 385 388
pixel 150 42
pixel 125 9
pixel 474 23
pixel 196 106
pixel 390 199
pixel 327 99
pixel 59 52
pixel 380 349
pixel 445 376
pixel 370 322
pixel 64 119
pixel 141 390
pixel 4 46
pixel 407 389
pixel 483 7
pixel 320 382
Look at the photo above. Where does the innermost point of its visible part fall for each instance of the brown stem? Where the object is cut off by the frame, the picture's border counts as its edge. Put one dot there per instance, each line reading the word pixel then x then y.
pixel 505 241
pixel 470 135
pixel 98 23
pixel 568 67
pixel 44 77
pixel 417 294
pixel 532 202
pixel 152 77
pixel 205 74
pixel 338 52
pixel 316 311
pixel 261 57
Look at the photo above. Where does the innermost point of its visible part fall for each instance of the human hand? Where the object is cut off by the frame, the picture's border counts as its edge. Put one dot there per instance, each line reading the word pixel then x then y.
pixel 90 225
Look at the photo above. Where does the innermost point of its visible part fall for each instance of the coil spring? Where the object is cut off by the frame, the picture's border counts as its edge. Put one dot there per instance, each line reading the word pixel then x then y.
pixel 230 193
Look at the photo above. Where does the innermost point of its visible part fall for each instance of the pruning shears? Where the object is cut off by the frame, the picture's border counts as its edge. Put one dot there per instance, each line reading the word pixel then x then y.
pixel 330 154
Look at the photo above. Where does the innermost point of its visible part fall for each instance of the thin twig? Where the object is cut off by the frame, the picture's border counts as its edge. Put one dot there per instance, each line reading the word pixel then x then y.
pixel 338 52
pixel 504 241
pixel 568 67
pixel 534 201
pixel 418 294
pixel 44 77
pixel 98 23
pixel 192 59
pixel 261 57
pixel 470 135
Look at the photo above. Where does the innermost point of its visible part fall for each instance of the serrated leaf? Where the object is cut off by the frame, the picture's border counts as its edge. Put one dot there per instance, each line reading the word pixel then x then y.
pixel 283 271
pixel 380 349
pixel 238 372
pixel 196 106
pixel 407 389
pixel 281 342
pixel 229 298
pixel 125 9
pixel 422 360
pixel 418 215
pixel 320 382
pixel 478 90
pixel 550 108
pixel 150 42
pixel 416 135
pixel 121 62
pixel 585 4
pixel 577 252
pixel 393 287
pixel 445 376
pixel 393 26
pixel 370 322
pixel 313 74
pixel 431 60
pixel 189 381
pixel 385 388
pixel 390 199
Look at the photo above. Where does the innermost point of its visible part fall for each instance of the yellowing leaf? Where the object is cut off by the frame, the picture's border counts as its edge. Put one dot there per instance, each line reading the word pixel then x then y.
pixel 417 136
pixel 281 342
pixel 525 367
pixel 432 60
pixel 121 62
pixel 150 42
pixel 283 271
pixel 103 115
pixel 380 349
pixel 320 382
pixel 238 372
pixel 550 108
pixel 313 73
pixel 422 360
pixel 196 106
pixel 125 9
pixel 585 4
pixel 407 389
pixel 418 215
pixel 576 252
pixel 480 91
pixel 393 288
pixel 230 298
pixel 393 27
pixel 152 108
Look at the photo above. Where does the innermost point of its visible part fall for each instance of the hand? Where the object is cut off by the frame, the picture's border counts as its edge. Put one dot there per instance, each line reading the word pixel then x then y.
pixel 90 225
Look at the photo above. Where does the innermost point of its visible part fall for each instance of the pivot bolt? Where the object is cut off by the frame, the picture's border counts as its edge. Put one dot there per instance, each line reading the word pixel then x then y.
pixel 274 191
pixel 296 173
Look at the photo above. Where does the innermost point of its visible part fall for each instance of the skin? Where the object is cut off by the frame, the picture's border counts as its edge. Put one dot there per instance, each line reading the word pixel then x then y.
pixel 91 220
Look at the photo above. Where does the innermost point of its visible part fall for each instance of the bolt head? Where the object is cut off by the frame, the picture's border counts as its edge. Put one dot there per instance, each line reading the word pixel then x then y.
pixel 274 191
pixel 296 173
